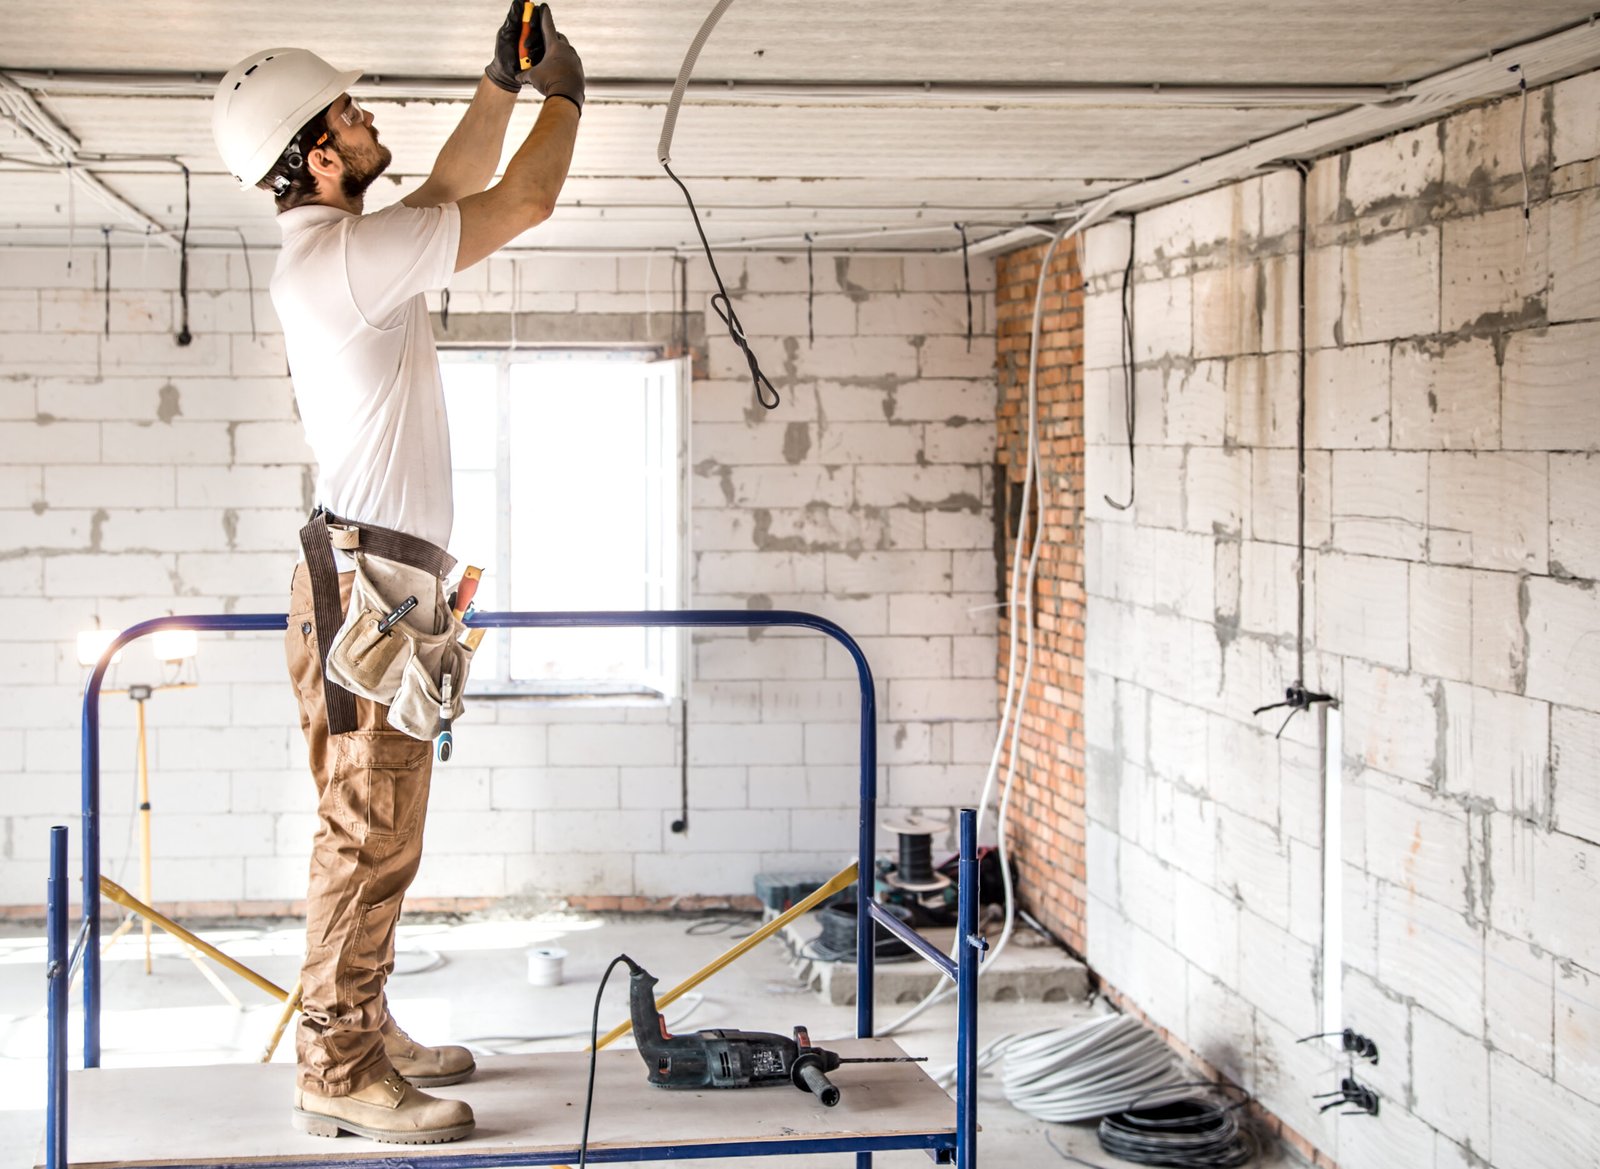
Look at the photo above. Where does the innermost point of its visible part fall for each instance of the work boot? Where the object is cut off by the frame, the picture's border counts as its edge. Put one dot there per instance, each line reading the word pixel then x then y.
pixel 426 1067
pixel 390 1110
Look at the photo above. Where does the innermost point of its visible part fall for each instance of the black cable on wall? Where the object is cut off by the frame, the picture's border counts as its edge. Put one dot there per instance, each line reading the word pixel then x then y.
pixel 1129 411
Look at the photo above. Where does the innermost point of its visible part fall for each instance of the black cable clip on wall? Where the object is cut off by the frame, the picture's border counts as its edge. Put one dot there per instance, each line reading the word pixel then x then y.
pixel 1297 698
pixel 1363 1101
pixel 1355 1044
pixel 1351 1091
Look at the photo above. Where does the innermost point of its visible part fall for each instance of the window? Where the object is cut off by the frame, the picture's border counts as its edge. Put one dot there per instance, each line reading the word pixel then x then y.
pixel 569 493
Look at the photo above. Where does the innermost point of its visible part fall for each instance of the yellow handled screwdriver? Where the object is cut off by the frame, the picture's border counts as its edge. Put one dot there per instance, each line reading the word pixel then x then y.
pixel 466 589
pixel 530 32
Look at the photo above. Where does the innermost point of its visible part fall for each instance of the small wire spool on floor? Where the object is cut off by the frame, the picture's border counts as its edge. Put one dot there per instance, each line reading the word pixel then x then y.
pixel 914 871
pixel 837 941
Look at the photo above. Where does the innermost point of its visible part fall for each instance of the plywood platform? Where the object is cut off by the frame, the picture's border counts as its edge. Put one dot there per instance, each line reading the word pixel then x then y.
pixel 529 1110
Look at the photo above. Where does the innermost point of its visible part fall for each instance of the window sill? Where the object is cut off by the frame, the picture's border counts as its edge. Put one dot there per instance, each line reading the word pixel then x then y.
pixel 582 698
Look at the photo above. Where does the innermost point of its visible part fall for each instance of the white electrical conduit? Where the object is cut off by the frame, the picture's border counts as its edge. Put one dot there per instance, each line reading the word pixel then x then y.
pixel 775 92
pixel 1010 707
pixel 685 71
pixel 1083 1072
pixel 18 106
pixel 1021 586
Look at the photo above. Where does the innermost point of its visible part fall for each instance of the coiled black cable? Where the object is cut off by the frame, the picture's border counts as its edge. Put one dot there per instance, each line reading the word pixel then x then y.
pixel 837 942
pixel 724 306
pixel 1190 1133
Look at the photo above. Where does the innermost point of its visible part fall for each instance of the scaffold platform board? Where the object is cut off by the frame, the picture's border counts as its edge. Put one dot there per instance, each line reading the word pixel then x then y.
pixel 529 1111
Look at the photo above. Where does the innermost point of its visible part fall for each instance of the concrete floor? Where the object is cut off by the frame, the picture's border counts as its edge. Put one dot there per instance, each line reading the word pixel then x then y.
pixel 467 981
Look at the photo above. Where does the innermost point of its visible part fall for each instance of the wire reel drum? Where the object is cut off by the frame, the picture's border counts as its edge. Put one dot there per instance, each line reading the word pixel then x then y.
pixel 914 871
pixel 911 882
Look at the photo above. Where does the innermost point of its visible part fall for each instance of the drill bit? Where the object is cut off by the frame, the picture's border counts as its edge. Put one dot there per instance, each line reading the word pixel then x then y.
pixel 884 1059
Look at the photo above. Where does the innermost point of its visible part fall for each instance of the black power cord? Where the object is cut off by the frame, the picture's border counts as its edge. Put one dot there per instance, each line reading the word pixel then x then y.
pixel 250 280
pixel 1298 696
pixel 184 336
pixel 594 1053
pixel 1129 412
pixel 681 824
pixel 966 276
pixel 105 233
pixel 811 289
pixel 724 306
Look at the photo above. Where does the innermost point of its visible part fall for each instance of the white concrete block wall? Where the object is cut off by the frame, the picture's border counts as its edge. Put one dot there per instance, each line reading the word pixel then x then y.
pixel 143 479
pixel 1451 606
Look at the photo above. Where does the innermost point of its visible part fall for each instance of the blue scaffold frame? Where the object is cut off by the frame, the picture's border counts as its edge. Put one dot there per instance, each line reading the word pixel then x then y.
pixel 943 1147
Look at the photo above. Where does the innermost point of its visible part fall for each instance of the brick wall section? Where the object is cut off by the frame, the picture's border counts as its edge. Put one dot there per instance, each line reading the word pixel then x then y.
pixel 141 479
pixel 1453 483
pixel 1047 809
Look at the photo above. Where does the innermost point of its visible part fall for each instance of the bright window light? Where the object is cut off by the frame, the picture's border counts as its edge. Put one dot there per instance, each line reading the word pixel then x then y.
pixel 568 490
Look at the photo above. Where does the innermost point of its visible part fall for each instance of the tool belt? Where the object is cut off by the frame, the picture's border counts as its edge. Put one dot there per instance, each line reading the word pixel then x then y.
pixel 414 664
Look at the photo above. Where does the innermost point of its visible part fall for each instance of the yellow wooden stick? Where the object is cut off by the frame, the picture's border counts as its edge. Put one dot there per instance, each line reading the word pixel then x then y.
pixel 115 892
pixel 289 1008
pixel 843 880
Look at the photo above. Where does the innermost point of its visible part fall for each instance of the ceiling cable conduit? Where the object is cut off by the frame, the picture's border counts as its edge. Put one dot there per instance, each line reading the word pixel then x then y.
pixel 1359 113
pixel 15 237
pixel 654 91
pixel 19 108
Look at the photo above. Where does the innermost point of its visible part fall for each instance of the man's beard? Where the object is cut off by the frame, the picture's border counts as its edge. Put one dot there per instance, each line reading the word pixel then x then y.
pixel 362 170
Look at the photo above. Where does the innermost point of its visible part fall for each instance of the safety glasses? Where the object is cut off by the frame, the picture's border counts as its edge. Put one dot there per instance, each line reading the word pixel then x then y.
pixel 351 114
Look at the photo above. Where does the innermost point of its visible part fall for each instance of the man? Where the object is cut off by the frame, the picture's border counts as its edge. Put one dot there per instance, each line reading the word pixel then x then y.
pixel 349 291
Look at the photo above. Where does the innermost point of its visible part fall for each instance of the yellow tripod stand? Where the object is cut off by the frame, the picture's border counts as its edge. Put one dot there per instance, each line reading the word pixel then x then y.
pixel 140 909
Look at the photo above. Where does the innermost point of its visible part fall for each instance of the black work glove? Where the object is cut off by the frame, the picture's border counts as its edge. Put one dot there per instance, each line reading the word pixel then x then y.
pixel 505 66
pixel 559 73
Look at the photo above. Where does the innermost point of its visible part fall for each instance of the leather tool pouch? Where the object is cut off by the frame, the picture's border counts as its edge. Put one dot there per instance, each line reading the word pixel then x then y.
pixel 405 666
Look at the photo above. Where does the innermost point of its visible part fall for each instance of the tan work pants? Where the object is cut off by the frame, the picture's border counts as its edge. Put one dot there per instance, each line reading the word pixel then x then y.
pixel 372 799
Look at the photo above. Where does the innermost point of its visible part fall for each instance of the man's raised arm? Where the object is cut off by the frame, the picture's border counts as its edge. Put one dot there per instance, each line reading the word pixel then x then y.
pixel 468 159
pixel 469 156
pixel 526 194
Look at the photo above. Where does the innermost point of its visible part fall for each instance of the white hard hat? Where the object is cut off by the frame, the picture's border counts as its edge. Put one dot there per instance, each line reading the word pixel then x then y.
pixel 262 103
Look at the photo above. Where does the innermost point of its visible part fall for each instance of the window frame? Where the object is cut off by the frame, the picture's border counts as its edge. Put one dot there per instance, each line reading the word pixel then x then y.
pixel 667 649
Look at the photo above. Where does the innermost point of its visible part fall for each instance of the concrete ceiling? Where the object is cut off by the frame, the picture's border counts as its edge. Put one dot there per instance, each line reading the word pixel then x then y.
pixel 765 167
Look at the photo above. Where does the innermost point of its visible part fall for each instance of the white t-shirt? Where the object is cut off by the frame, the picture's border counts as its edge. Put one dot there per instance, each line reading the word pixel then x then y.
pixel 348 291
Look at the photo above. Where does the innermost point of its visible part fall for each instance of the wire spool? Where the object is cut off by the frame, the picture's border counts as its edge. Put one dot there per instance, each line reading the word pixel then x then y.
pixel 544 965
pixel 914 872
